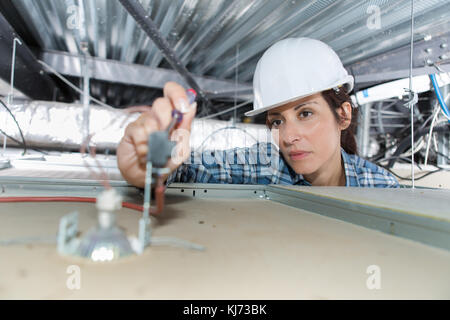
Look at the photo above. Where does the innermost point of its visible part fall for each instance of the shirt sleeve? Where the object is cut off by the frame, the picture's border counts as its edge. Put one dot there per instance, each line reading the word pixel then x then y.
pixel 364 173
pixel 210 167
pixel 391 181
pixel 384 179
pixel 234 166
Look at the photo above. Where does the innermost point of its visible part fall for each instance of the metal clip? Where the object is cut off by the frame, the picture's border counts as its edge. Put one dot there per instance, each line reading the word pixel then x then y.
pixel 438 68
pixel 413 98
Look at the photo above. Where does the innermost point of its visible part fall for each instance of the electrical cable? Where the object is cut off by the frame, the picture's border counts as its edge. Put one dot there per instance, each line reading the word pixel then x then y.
pixel 20 143
pixel 404 157
pixel 421 177
pixel 415 179
pixel 127 205
pixel 378 162
pixel 418 146
pixel 52 239
pixel 443 155
pixel 430 133
pixel 406 142
pixel 427 120
pixel 11 138
pixel 18 126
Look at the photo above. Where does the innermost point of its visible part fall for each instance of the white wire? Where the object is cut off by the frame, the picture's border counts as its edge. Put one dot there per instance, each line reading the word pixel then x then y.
pixel 70 84
pixel 435 143
pixel 430 133
pixel 446 116
pixel 419 145
pixel 411 105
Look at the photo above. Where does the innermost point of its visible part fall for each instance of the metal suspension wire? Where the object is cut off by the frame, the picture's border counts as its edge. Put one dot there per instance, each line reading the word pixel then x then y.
pixel 411 103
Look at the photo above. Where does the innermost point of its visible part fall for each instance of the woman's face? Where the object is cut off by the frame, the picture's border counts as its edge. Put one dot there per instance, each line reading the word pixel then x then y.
pixel 307 132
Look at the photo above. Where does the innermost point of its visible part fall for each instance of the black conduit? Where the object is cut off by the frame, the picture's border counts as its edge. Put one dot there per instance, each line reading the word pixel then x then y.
pixel 406 142
pixel 136 10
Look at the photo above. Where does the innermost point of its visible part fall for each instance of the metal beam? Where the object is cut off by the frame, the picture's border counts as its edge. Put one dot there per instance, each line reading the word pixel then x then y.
pixel 397 74
pixel 394 65
pixel 139 75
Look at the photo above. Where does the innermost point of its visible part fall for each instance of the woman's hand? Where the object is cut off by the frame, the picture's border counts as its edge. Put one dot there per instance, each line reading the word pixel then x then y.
pixel 132 149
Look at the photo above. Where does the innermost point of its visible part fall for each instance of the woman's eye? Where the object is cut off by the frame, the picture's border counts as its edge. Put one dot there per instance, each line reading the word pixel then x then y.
pixel 305 114
pixel 275 123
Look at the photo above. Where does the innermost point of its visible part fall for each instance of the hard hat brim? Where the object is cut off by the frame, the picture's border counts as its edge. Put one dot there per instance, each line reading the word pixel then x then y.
pixel 348 85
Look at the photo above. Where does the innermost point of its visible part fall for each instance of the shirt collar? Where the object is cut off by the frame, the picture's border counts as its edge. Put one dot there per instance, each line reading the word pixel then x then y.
pixel 351 180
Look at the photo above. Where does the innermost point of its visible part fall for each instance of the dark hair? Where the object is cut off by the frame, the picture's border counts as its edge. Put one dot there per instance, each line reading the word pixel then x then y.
pixel 335 99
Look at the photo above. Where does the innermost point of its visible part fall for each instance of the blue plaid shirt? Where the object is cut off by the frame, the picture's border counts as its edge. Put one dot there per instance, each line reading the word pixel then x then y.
pixel 262 163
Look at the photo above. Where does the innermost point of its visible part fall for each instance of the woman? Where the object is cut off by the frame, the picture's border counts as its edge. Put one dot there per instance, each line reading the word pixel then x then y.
pixel 303 88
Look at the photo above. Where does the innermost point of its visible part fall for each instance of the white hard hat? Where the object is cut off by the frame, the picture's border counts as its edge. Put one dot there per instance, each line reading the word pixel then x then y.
pixel 294 68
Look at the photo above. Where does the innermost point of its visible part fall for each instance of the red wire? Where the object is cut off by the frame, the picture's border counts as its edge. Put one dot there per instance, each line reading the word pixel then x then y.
pixel 65 199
